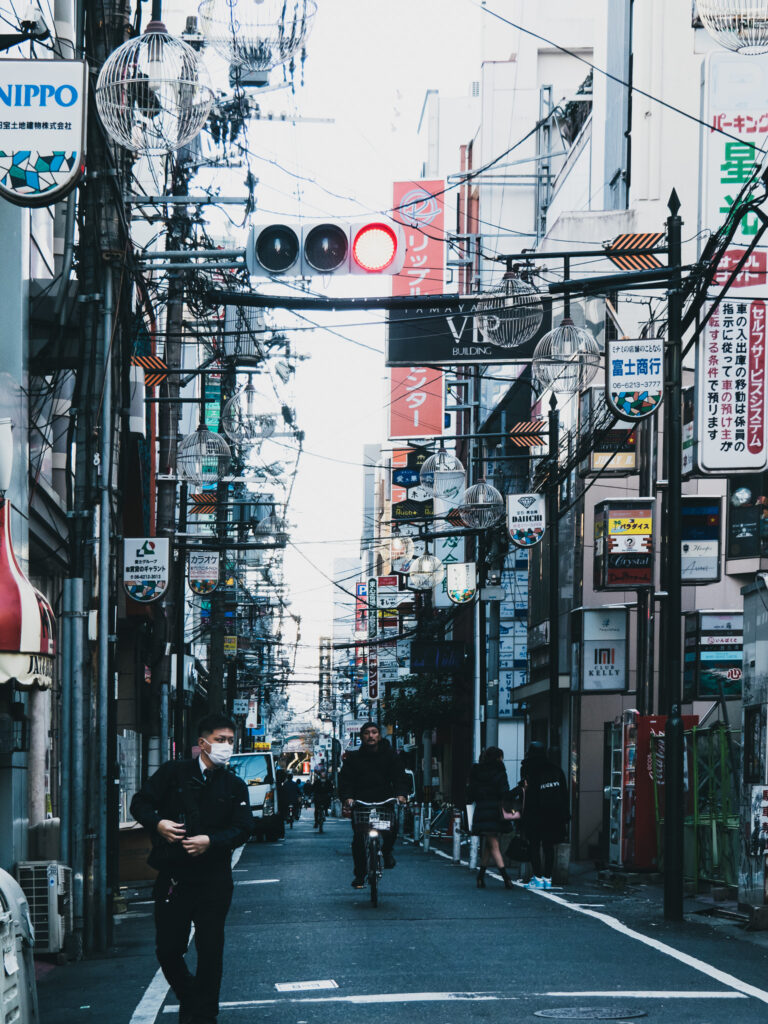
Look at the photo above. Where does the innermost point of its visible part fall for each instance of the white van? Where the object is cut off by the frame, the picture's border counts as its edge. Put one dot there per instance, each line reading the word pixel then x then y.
pixel 257 770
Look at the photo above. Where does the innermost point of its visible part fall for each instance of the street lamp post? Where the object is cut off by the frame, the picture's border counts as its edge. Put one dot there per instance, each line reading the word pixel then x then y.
pixel 553 542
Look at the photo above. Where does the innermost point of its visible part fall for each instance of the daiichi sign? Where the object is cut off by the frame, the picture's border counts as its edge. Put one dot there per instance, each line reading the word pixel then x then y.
pixel 43 105
pixel 526 519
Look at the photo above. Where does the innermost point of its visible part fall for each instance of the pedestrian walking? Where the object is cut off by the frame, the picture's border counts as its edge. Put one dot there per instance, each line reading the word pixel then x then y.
pixel 197 811
pixel 546 814
pixel 486 789
pixel 372 773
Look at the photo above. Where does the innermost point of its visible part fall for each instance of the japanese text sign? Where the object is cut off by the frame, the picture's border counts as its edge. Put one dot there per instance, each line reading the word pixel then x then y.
pixel 416 402
pixel 624 547
pixel 634 377
pixel 732 411
pixel 145 567
pixel 526 519
pixel 461 582
pixel 43 105
pixel 203 571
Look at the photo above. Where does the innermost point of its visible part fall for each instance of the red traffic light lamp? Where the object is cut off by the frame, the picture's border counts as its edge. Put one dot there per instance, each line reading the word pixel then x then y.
pixel 325 247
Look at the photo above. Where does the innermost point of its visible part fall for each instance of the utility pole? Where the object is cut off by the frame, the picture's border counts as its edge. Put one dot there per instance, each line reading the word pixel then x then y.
pixel 494 659
pixel 181 559
pixel 672 515
pixel 553 550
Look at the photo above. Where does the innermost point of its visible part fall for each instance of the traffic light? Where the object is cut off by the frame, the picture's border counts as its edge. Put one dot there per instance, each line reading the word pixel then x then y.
pixel 372 246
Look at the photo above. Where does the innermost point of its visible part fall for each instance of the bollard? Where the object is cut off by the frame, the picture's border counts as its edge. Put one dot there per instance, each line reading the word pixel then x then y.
pixel 456 848
pixel 474 849
pixel 427 826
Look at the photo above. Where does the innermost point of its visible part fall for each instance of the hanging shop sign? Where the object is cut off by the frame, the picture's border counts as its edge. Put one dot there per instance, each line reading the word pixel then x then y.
pixel 361 610
pixel 526 519
pixel 416 402
pixel 145 568
pixel 612 449
pixel 689 432
pixel 203 572
pixel 437 656
pixel 701 530
pixel 43 105
pixel 373 600
pixel 634 377
pixel 230 645
pixel 409 499
pixel 373 674
pixel 603 645
pixel 732 145
pixel 623 558
pixel 461 583
pixel 732 406
pixel 714 652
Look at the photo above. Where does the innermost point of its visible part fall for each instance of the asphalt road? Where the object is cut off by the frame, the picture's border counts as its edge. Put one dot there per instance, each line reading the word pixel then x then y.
pixel 303 947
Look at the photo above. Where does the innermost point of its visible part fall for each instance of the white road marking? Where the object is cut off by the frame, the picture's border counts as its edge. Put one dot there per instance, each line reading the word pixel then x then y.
pixel 154 995
pixel 379 997
pixel 714 973
pixel 258 881
pixel 304 986
pixel 643 995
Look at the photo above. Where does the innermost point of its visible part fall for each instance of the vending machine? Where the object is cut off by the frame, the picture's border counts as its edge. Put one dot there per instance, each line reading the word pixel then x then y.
pixel 633 799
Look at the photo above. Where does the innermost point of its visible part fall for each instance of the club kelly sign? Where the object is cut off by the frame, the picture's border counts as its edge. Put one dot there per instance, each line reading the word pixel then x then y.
pixel 43 106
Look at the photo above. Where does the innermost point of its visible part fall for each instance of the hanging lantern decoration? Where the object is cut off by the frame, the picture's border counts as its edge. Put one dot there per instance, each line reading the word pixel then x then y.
pixel 511 315
pixel 401 553
pixel 481 506
pixel 256 36
pixel 244 419
pixel 153 94
pixel 203 457
pixel 740 25
pixel 426 572
pixel 442 474
pixel 566 359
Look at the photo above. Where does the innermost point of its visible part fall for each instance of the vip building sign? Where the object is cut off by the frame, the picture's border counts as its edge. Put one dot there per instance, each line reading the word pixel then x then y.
pixel 623 558
pixel 732 410
pixel 43 106
pixel 634 377
pixel 526 519
pixel 145 568
pixel 203 572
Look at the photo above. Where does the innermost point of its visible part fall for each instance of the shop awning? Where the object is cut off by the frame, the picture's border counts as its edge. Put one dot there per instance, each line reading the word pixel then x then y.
pixel 27 625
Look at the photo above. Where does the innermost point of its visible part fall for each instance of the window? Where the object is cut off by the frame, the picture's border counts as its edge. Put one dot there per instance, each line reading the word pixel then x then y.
pixel 253 769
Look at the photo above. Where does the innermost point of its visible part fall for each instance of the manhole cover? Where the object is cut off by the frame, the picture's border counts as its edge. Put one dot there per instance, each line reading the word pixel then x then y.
pixel 590 1013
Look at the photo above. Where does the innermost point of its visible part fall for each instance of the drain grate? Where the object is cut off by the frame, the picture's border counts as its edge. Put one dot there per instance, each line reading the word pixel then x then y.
pixel 590 1013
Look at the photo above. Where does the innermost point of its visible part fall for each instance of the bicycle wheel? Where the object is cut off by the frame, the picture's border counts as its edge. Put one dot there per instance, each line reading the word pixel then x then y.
pixel 373 870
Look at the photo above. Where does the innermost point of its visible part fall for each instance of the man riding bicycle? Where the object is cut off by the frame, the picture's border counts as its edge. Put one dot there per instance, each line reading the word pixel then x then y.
pixel 372 773
pixel 322 794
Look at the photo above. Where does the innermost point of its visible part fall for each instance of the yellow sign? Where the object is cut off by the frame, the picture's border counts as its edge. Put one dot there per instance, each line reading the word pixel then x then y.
pixel 230 645
pixel 262 746
pixel 636 526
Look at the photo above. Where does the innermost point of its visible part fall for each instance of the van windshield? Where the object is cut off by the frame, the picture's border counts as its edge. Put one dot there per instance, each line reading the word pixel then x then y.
pixel 253 769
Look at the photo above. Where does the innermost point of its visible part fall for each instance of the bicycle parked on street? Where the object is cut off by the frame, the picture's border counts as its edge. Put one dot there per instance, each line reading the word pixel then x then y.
pixel 372 819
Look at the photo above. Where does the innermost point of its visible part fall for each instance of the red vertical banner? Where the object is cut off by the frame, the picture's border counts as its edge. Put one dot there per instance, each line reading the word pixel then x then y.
pixel 416 393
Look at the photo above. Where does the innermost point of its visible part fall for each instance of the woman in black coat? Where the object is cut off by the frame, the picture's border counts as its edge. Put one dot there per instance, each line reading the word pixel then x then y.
pixel 486 788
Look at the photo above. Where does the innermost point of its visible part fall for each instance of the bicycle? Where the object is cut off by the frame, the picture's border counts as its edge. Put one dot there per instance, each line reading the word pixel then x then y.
pixel 373 819
pixel 291 815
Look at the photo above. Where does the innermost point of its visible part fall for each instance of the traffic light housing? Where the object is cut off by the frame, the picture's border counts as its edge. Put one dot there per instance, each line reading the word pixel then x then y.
pixel 305 249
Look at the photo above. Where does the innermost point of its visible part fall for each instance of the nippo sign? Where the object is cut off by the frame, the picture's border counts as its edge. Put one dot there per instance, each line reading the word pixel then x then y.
pixel 145 567
pixel 43 106
pixel 634 377
pixel 526 519
pixel 732 411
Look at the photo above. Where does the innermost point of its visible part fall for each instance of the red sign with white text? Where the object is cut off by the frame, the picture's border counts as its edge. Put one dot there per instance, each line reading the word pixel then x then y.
pixel 416 393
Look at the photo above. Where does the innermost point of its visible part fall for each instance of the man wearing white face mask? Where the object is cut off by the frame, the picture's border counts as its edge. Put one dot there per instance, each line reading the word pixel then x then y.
pixel 197 812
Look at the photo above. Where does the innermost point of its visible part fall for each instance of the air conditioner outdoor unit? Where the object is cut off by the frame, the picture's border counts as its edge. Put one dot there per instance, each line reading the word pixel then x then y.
pixel 48 888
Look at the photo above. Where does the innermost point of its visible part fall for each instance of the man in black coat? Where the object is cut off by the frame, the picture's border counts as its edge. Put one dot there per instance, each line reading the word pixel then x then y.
pixel 197 812
pixel 547 811
pixel 372 773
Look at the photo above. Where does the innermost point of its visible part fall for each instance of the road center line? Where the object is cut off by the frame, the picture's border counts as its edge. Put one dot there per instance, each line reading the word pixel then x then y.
pixel 378 997
pixel 258 881
pixel 643 995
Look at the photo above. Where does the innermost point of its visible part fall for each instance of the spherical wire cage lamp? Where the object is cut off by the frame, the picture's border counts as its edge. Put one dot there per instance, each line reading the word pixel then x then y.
pixel 481 506
pixel 442 473
pixel 203 457
pixel 153 94
pixel 511 315
pixel 566 359
pixel 244 418
pixel 740 25
pixel 256 35
pixel 426 572
pixel 400 549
